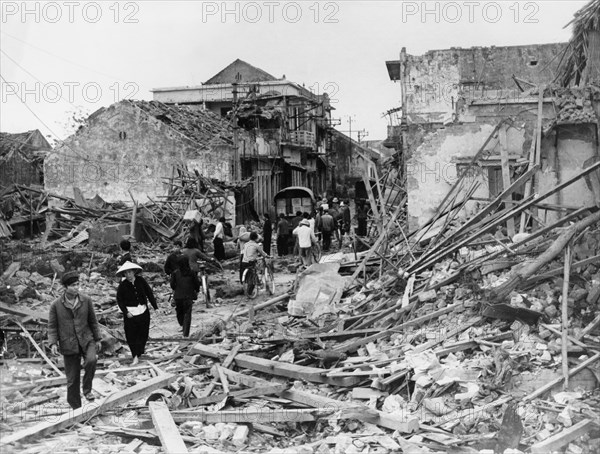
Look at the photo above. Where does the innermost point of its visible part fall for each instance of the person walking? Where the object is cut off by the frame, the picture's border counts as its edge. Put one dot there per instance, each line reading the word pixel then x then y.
pixel 133 295
pixel 194 255
pixel 306 238
pixel 218 239
pixel 361 217
pixel 346 217
pixel 126 255
pixel 283 233
pixel 327 228
pixel 267 234
pixel 196 231
pixel 186 286
pixel 73 329
pixel 171 262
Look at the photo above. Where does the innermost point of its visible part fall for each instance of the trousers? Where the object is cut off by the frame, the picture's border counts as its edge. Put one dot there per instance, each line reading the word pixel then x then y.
pixel 73 373
pixel 183 308
pixel 136 332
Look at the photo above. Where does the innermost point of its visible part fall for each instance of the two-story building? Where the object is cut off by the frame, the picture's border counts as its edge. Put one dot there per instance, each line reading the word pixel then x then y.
pixel 294 142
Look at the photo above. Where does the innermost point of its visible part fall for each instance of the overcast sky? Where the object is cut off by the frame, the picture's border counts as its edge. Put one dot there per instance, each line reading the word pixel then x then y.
pixel 61 57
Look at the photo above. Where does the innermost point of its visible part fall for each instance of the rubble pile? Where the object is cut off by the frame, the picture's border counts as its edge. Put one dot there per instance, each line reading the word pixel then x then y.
pixel 575 105
pixel 448 339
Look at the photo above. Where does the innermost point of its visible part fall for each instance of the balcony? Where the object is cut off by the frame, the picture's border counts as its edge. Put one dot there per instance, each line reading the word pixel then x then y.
pixel 302 139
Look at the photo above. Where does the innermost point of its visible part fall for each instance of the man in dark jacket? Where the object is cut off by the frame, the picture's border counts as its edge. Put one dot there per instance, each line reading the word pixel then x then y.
pixel 171 262
pixel 73 328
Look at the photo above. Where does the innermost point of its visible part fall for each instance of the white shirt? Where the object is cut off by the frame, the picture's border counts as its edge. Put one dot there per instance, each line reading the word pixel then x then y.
pixel 311 221
pixel 306 237
pixel 219 232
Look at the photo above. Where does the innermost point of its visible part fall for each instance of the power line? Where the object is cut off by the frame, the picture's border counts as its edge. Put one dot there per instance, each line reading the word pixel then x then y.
pixel 64 59
pixel 21 67
pixel 39 119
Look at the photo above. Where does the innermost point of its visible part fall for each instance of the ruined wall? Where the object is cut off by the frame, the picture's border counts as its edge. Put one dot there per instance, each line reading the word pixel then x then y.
pixel 431 171
pixel 123 149
pixel 439 81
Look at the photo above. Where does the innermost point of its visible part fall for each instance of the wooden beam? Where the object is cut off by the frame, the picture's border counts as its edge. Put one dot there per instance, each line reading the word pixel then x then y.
pixel 563 438
pixel 226 363
pixel 254 415
pixel 242 394
pixel 358 411
pixel 167 431
pixel 40 351
pixel 21 312
pixel 565 317
pixel 510 222
pixel 548 386
pixel 312 374
pixel 88 411
pixel 532 152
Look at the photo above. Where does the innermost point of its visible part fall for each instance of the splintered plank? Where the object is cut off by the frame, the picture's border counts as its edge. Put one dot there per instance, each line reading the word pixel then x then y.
pixel 402 423
pixel 242 394
pixel 35 315
pixel 252 415
pixel 563 438
pixel 311 374
pixel 167 431
pixel 89 410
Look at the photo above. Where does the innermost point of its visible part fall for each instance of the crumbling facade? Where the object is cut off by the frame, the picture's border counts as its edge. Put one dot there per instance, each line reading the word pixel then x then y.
pixel 131 147
pixel 461 104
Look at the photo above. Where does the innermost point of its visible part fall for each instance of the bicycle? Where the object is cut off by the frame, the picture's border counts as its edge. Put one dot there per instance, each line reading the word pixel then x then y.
pixel 256 276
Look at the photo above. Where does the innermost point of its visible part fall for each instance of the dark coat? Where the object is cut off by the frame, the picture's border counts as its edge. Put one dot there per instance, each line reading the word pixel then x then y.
pixel 139 292
pixel 72 329
pixel 186 286
pixel 171 262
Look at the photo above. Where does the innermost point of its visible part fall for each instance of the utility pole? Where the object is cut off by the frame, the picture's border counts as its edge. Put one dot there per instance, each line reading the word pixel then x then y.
pixel 236 153
pixel 361 134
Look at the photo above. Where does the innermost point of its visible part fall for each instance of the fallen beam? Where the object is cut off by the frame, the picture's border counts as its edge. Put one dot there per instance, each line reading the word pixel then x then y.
pixel 167 431
pixel 402 423
pixel 267 303
pixel 252 415
pixel 312 374
pixel 548 386
pixel 35 315
pixel 89 410
pixel 563 438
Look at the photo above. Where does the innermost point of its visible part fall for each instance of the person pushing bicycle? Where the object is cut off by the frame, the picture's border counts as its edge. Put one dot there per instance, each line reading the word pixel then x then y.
pixel 252 252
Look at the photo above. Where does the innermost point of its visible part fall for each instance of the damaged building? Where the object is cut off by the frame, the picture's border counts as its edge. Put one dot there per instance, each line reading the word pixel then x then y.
pixel 21 157
pixel 130 149
pixel 294 141
pixel 499 109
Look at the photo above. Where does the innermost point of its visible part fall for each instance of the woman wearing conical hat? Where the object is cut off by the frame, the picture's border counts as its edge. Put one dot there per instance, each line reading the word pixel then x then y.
pixel 133 296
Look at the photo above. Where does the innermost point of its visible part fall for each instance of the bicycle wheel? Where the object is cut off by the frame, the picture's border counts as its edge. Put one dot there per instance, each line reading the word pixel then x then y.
pixel 249 284
pixel 269 281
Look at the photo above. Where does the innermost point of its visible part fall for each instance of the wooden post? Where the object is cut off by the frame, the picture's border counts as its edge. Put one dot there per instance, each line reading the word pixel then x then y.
pixel 167 430
pixel 133 216
pixel 565 316
pixel 510 223
pixel 532 153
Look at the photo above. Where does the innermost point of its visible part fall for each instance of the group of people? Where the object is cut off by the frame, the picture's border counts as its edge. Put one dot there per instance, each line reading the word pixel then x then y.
pixel 73 329
pixel 329 221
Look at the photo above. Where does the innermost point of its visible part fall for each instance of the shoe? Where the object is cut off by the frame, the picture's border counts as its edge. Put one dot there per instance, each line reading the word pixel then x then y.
pixel 135 361
pixel 90 396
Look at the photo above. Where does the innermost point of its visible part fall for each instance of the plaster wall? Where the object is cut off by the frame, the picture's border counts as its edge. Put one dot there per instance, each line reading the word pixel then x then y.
pixel 123 149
